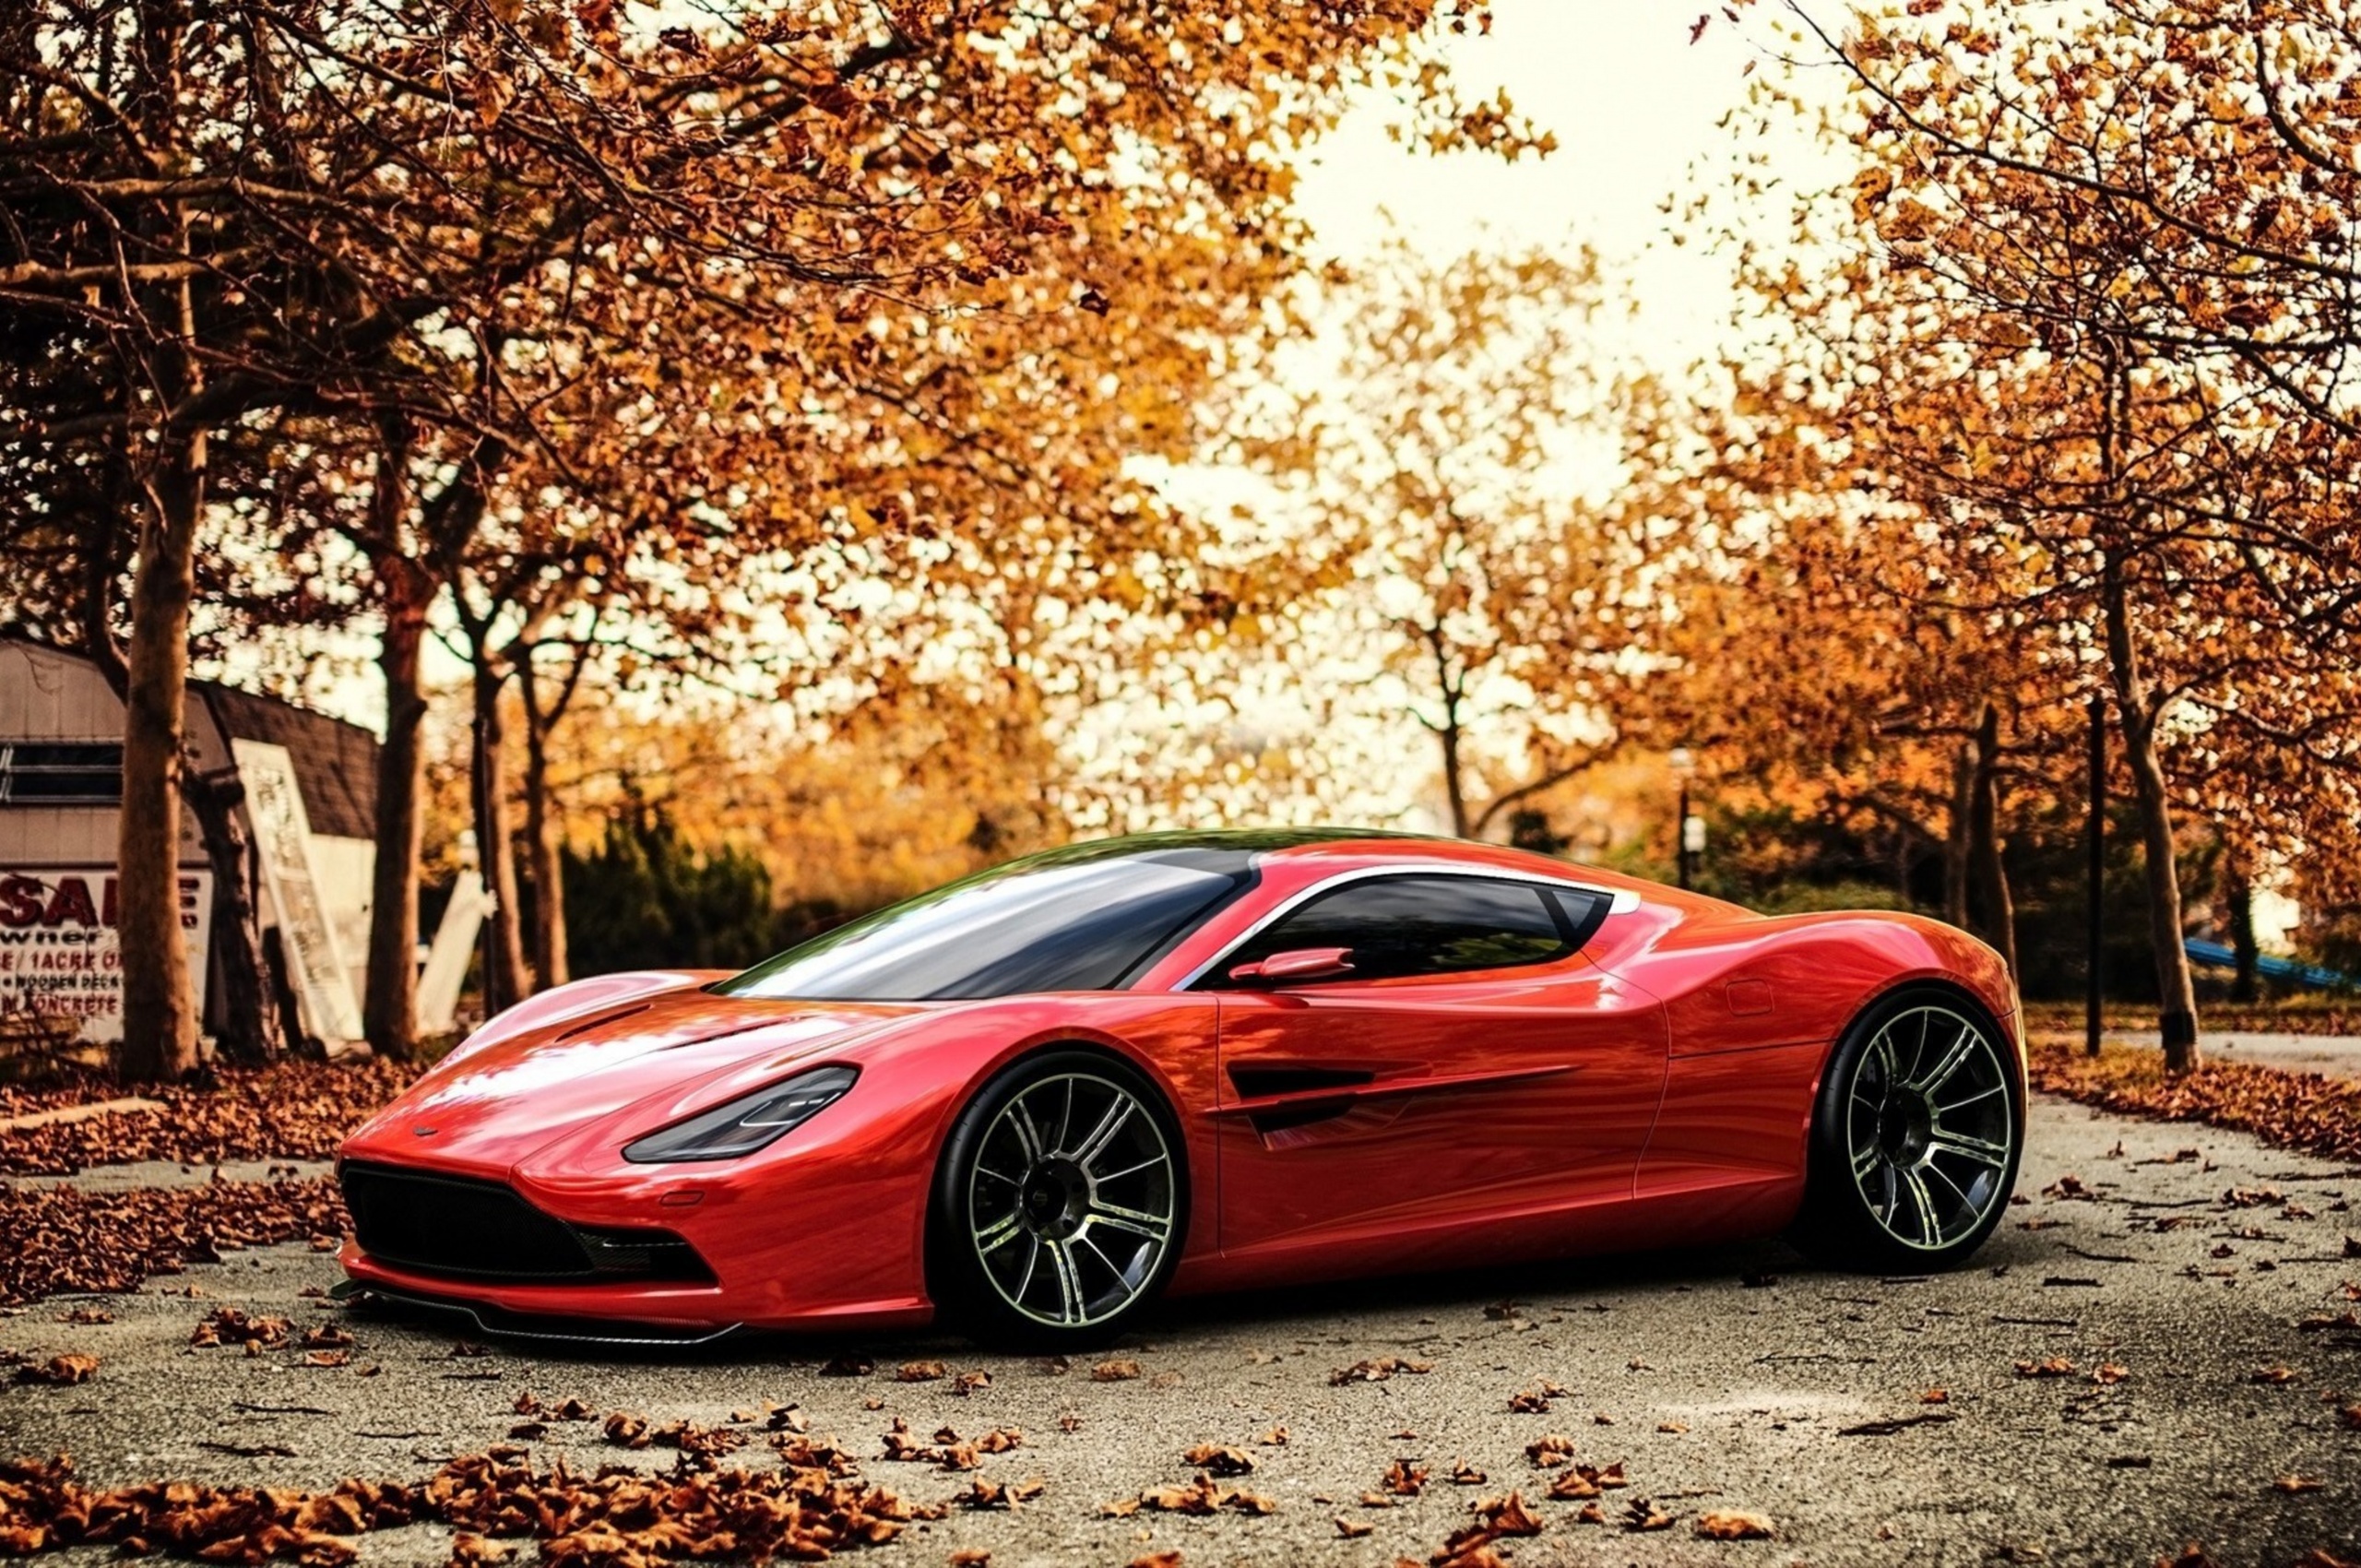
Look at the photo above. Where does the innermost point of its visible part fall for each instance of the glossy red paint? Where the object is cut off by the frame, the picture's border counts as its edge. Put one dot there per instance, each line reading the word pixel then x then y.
pixel 1656 1087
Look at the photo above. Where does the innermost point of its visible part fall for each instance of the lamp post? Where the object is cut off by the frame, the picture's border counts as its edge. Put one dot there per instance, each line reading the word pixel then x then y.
pixel 2095 915
pixel 1689 832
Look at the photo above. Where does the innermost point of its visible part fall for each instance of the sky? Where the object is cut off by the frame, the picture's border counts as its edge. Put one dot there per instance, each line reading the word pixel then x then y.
pixel 1633 104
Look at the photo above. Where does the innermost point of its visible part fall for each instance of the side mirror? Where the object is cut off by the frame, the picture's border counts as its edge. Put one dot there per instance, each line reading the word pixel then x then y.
pixel 1300 964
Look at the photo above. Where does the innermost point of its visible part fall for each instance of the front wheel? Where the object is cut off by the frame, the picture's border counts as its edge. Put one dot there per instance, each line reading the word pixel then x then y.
pixel 1060 1205
pixel 1916 1136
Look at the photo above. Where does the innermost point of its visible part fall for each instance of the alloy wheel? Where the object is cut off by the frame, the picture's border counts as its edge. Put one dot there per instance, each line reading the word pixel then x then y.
pixel 1071 1200
pixel 1930 1128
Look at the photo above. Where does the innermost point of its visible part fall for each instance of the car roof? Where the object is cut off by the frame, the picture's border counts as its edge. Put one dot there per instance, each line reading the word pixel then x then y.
pixel 1343 848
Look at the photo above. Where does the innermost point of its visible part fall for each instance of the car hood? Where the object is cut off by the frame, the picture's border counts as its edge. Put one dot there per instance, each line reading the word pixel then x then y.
pixel 497 1103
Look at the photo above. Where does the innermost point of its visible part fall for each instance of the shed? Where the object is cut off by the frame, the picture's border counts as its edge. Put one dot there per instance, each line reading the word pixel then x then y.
pixel 61 785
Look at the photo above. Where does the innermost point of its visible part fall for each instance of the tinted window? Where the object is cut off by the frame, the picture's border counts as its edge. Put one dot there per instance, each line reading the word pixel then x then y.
pixel 1428 925
pixel 1056 922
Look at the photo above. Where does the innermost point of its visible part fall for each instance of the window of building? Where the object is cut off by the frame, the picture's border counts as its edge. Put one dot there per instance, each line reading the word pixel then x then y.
pixel 60 773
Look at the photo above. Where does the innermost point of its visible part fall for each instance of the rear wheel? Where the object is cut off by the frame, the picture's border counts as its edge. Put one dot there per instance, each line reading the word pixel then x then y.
pixel 1061 1204
pixel 1915 1137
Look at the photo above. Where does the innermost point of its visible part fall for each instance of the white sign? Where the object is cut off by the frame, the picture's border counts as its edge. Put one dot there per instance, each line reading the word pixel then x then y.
pixel 446 961
pixel 315 969
pixel 61 955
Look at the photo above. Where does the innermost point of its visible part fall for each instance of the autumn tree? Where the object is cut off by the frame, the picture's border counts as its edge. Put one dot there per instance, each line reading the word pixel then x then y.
pixel 1462 473
pixel 445 214
pixel 2043 324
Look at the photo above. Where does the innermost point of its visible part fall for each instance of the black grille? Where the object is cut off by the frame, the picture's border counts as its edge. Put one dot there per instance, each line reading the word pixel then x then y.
pixel 475 1229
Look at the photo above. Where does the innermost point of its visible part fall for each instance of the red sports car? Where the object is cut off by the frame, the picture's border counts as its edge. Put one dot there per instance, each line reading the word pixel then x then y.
pixel 1027 1103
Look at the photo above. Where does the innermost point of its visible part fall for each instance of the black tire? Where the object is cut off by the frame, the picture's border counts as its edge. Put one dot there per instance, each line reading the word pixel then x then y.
pixel 1059 1240
pixel 1913 1150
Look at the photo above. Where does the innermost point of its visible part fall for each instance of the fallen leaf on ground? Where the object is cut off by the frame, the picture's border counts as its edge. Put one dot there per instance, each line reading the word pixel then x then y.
pixel 62 1238
pixel 1220 1461
pixel 2299 1110
pixel 1641 1515
pixel 1731 1525
pixel 1549 1451
pixel 1201 1497
pixel 1586 1480
pixel 617 1518
pixel 1535 1401
pixel 228 1326
pixel 1377 1369
pixel 982 1494
pixel 63 1370
pixel 290 1109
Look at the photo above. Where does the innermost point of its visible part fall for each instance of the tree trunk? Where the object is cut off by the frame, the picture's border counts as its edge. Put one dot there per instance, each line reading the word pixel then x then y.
pixel 160 1023
pixel 506 979
pixel 2176 990
pixel 1989 875
pixel 1955 852
pixel 541 850
pixel 251 1030
pixel 1454 789
pixel 390 1008
pixel 2238 891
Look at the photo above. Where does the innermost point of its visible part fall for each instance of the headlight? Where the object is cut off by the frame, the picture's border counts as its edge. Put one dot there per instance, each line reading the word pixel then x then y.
pixel 747 1122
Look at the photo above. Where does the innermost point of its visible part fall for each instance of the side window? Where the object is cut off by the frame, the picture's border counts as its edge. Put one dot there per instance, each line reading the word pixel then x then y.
pixel 1430 925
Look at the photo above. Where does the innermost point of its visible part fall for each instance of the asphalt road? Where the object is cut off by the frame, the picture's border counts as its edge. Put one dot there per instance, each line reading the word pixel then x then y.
pixel 1731 1379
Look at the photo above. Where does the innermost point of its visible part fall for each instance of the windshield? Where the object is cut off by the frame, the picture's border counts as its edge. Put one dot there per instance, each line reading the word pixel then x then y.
pixel 1067 920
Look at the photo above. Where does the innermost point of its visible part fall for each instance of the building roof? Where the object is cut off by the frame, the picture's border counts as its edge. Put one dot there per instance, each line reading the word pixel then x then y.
pixel 336 763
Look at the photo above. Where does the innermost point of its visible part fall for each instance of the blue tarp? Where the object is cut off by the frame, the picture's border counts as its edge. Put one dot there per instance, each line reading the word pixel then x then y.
pixel 2220 956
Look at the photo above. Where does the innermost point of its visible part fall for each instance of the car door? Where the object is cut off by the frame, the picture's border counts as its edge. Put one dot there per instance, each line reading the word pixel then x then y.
pixel 1470 1064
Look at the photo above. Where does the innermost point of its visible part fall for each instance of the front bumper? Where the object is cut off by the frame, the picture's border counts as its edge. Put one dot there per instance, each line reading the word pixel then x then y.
pixel 736 1262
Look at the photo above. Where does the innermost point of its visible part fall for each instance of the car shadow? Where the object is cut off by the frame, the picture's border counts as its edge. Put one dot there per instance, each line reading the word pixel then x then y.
pixel 1564 1284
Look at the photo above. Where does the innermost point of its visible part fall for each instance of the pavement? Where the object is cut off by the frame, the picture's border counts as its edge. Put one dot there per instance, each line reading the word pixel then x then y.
pixel 2335 1056
pixel 2168 1265
pixel 2338 1056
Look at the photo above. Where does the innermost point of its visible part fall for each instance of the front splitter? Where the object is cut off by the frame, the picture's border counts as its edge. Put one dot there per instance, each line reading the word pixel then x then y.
pixel 500 1323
